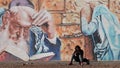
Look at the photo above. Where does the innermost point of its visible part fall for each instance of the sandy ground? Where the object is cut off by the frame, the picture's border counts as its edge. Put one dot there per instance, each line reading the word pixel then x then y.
pixel 58 64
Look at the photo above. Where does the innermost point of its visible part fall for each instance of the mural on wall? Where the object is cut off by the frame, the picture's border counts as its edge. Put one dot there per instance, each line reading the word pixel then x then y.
pixel 50 29
pixel 104 28
pixel 28 34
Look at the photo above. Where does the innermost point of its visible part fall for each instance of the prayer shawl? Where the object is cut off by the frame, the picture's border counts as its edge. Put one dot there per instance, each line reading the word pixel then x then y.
pixel 39 39
pixel 108 28
pixel 40 44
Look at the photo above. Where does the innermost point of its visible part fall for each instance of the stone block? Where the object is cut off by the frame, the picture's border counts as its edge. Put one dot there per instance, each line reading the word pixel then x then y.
pixel 55 5
pixel 71 18
pixel 36 4
pixel 115 7
pixel 4 3
pixel 68 46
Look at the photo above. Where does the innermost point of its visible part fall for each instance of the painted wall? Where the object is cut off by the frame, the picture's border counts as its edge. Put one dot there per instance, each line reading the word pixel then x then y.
pixel 66 16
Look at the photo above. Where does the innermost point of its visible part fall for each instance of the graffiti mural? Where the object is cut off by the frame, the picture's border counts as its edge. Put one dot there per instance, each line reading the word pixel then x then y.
pixel 50 29
pixel 29 35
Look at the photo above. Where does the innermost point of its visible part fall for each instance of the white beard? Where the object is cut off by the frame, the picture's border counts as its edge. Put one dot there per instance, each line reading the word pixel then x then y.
pixel 19 50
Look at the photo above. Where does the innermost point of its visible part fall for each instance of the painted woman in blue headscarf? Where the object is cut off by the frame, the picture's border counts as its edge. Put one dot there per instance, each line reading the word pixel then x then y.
pixel 104 28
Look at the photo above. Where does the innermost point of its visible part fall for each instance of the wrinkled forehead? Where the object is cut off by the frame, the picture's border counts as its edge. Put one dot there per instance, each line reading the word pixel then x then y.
pixel 22 15
pixel 24 8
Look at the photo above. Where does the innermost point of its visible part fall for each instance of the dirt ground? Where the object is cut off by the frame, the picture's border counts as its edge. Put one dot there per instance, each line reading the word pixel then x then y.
pixel 59 64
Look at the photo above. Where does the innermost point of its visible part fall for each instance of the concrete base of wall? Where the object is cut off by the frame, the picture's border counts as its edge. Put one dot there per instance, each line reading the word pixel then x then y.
pixel 58 64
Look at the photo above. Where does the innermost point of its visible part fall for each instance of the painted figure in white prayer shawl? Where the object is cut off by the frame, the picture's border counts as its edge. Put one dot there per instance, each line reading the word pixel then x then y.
pixel 43 37
pixel 16 24
pixel 104 28
pixel 15 31
pixel 42 34
pixel 3 19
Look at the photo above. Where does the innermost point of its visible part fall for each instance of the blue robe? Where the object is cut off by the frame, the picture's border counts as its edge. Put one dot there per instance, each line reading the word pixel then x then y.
pixel 40 44
pixel 108 28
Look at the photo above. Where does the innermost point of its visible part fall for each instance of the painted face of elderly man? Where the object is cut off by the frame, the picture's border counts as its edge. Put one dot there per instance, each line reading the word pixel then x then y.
pixel 15 30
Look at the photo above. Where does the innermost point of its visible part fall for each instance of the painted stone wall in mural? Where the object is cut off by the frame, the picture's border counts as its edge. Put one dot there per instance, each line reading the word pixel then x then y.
pixel 50 29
